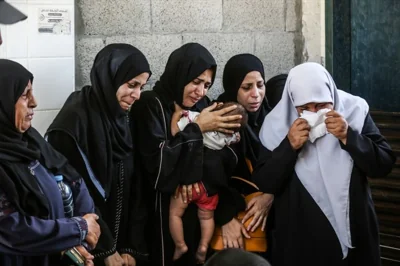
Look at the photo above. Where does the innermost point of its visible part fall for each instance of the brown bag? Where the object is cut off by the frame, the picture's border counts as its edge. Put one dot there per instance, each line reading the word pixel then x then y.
pixel 258 240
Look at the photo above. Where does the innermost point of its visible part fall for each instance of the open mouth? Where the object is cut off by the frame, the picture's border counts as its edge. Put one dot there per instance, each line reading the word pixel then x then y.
pixel 254 104
pixel 194 99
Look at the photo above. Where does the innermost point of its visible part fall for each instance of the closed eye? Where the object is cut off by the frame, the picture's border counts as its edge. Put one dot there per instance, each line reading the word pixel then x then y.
pixel 133 85
pixel 322 106
pixel 197 81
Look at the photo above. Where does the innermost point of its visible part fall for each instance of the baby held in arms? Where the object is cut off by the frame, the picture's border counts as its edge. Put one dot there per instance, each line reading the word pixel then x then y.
pixel 205 202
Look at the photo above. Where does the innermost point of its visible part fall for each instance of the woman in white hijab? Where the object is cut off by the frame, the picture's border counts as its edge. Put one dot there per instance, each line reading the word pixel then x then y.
pixel 321 144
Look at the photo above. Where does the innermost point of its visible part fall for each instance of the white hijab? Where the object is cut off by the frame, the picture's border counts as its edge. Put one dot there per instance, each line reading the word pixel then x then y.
pixel 323 167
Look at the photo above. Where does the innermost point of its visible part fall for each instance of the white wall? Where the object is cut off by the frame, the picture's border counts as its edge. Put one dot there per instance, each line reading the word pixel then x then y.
pixel 50 57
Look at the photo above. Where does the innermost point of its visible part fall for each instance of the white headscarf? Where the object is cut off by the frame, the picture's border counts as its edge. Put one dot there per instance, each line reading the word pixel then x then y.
pixel 323 167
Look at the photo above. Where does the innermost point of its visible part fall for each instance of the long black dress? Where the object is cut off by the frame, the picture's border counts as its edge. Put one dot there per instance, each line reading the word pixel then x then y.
pixel 164 161
pixel 92 124
pixel 302 233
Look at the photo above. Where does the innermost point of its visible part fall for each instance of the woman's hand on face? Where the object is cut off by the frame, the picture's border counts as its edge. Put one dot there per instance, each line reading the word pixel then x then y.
pixel 186 191
pixel 337 125
pixel 258 208
pixel 215 121
pixel 232 234
pixel 298 133
pixel 94 233
pixel 128 259
pixel 114 260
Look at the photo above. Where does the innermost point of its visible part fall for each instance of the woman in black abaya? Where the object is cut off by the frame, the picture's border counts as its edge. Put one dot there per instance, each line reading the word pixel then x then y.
pixel 93 131
pixel 320 146
pixel 167 161
pixel 243 81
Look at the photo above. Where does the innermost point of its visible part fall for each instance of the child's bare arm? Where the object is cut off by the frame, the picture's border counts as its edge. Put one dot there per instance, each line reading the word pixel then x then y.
pixel 175 118
pixel 174 124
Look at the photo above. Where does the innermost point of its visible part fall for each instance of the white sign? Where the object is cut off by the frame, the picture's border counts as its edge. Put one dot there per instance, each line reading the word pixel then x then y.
pixel 54 21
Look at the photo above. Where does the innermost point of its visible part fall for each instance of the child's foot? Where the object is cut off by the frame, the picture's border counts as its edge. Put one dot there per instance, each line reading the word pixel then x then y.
pixel 201 254
pixel 179 251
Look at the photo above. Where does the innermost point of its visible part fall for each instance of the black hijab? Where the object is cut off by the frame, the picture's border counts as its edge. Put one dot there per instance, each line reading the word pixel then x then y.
pixel 18 150
pixel 184 65
pixel 93 116
pixel 274 89
pixel 235 71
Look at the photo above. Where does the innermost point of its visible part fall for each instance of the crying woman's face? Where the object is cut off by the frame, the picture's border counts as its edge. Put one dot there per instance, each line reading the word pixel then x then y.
pixel 313 107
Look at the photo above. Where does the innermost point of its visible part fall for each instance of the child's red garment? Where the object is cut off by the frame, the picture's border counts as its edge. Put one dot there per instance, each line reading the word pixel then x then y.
pixel 203 201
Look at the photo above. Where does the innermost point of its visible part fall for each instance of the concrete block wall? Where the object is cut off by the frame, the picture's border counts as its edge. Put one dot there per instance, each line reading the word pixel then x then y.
pixel 270 29
pixel 313 30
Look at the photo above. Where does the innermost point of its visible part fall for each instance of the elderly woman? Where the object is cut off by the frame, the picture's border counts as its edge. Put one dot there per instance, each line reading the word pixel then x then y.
pixel 93 131
pixel 34 228
pixel 243 81
pixel 167 161
pixel 321 145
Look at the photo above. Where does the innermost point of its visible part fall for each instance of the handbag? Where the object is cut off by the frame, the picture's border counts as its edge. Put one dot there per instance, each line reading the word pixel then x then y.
pixel 258 240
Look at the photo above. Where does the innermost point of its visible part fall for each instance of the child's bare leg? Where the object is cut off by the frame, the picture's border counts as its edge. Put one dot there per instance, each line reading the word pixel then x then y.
pixel 206 218
pixel 176 210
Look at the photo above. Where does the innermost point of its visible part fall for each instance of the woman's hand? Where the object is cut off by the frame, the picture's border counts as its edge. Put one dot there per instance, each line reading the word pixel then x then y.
pixel 215 121
pixel 298 133
pixel 258 207
pixel 337 125
pixel 129 260
pixel 186 191
pixel 93 234
pixel 232 234
pixel 114 260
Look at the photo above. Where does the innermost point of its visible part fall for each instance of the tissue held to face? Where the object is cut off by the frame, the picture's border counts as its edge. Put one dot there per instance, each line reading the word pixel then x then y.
pixel 311 124
pixel 315 115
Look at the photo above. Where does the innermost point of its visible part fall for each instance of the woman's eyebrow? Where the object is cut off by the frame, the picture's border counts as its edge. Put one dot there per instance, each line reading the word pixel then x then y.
pixel 132 82
pixel 203 80
pixel 248 84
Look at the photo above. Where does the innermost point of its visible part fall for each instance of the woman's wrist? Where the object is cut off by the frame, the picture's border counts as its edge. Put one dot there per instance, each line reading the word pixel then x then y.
pixel 200 126
pixel 232 220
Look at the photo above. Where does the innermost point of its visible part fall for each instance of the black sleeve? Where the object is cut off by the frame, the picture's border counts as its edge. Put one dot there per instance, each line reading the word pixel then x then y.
pixel 369 150
pixel 231 201
pixel 168 161
pixel 274 168
pixel 229 205
pixel 66 145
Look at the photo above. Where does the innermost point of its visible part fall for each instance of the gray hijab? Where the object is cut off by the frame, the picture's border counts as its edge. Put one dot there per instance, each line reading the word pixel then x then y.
pixel 323 167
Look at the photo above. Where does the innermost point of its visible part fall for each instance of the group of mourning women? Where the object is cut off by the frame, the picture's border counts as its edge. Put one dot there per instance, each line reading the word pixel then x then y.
pixel 308 146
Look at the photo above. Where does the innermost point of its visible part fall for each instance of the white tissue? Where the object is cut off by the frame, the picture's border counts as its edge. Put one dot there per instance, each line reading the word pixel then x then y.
pixel 316 122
